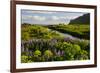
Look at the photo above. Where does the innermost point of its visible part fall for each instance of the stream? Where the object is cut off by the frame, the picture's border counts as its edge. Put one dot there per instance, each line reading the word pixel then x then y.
pixel 66 35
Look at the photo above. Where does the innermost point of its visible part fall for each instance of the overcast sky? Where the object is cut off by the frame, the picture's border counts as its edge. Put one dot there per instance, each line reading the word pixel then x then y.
pixel 48 17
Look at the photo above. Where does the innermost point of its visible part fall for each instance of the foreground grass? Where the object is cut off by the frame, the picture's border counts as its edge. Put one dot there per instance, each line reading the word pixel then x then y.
pixel 42 50
pixel 39 44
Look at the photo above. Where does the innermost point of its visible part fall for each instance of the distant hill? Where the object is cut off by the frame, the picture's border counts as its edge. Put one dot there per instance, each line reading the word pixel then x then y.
pixel 85 19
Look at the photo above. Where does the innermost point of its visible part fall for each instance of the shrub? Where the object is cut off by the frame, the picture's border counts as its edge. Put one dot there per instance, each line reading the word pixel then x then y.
pixel 48 54
pixel 82 55
pixel 37 53
pixel 58 58
pixel 25 36
pixel 83 44
pixel 24 59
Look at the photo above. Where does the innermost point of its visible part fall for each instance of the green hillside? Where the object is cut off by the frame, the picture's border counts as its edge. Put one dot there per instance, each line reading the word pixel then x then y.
pixel 85 19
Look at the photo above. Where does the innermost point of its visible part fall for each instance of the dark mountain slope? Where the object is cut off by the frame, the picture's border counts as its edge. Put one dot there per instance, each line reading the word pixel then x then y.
pixel 85 19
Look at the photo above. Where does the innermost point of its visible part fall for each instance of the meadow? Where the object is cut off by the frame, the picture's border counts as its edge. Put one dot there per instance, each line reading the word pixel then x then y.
pixel 44 43
pixel 77 30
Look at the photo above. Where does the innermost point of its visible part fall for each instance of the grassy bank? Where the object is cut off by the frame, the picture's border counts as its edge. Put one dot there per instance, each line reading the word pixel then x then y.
pixel 80 31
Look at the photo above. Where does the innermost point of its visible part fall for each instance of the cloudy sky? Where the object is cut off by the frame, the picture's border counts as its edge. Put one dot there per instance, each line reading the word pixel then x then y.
pixel 48 17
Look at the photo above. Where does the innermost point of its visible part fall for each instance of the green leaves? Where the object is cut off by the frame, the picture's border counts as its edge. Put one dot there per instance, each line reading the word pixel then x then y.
pixel 36 31
pixel 37 53
pixel 24 59
pixel 82 55
pixel 25 36
pixel 57 51
pixel 40 44
pixel 72 51
pixel 48 53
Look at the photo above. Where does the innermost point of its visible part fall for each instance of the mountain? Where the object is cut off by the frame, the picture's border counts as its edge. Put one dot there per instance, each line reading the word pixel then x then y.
pixel 85 19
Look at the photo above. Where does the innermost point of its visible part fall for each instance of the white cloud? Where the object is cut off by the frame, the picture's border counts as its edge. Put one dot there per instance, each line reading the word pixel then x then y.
pixel 38 11
pixel 26 17
pixel 70 17
pixel 43 12
pixel 63 17
pixel 40 18
pixel 55 18
pixel 30 17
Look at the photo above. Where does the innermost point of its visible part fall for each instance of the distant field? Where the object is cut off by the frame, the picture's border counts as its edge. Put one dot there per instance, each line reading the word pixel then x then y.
pixel 77 30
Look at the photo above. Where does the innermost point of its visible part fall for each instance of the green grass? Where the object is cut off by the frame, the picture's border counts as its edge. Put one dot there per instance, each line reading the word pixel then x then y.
pixel 37 32
pixel 60 50
pixel 77 30
pixel 47 45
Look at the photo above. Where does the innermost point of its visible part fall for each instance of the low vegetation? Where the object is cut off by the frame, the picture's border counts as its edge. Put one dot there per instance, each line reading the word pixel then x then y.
pixel 42 44
pixel 77 30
